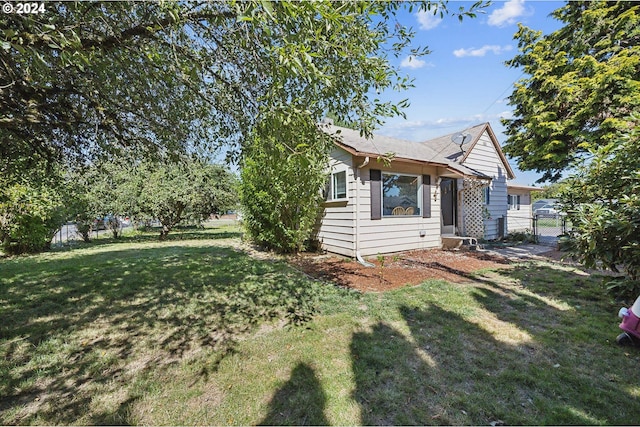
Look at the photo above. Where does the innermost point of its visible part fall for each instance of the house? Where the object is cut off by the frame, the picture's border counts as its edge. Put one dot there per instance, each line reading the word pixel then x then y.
pixel 520 211
pixel 430 192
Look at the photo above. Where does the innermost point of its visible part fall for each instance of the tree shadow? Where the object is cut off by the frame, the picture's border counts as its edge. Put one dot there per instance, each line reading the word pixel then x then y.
pixel 454 371
pixel 153 235
pixel 546 299
pixel 393 381
pixel 100 320
pixel 548 379
pixel 301 401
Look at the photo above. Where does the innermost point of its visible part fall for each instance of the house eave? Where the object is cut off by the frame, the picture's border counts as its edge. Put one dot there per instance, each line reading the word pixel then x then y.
pixel 523 187
pixel 450 171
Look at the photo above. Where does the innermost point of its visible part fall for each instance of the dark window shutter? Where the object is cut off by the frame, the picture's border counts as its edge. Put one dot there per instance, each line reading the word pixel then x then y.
pixel 426 196
pixel 375 176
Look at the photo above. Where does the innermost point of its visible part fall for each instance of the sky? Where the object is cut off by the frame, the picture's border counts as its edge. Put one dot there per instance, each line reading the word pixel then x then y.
pixel 463 81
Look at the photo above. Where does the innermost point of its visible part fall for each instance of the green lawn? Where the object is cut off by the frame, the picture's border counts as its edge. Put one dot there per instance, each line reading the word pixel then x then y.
pixel 195 331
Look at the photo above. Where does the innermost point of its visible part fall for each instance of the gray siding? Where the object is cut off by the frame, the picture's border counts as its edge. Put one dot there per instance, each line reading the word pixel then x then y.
pixel 394 234
pixel 484 158
pixel 337 232
pixel 337 228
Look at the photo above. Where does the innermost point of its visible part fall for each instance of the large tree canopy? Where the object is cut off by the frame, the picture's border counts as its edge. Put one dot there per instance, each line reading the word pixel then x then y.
pixel 603 204
pixel 88 78
pixel 582 83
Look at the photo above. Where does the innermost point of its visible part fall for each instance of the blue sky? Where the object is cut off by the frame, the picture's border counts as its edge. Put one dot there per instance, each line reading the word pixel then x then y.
pixel 464 81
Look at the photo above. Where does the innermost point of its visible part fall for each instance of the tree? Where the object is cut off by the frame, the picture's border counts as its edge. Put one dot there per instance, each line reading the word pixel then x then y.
pixel 174 192
pixel 281 202
pixel 582 83
pixel 30 214
pixel 89 79
pixel 576 109
pixel 110 193
pixel 603 203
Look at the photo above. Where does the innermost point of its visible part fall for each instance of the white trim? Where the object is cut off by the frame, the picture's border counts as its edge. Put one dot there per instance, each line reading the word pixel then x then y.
pixel 515 206
pixel 332 189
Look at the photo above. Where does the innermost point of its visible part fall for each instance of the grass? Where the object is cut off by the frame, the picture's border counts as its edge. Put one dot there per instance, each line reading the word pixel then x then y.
pixel 194 331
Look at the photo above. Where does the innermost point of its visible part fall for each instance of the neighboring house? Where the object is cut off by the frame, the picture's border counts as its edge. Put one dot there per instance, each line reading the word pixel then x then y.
pixel 431 191
pixel 520 211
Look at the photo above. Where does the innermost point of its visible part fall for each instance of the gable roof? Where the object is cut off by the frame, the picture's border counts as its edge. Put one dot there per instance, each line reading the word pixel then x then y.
pixel 407 151
pixel 441 151
pixel 449 150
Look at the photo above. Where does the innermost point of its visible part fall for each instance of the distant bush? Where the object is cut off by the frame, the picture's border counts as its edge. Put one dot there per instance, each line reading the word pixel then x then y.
pixel 521 237
pixel 29 218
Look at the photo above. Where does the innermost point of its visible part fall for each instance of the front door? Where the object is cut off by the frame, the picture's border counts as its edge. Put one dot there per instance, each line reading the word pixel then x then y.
pixel 448 205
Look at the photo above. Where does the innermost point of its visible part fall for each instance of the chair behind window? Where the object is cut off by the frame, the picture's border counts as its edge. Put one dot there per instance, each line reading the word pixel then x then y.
pixel 398 210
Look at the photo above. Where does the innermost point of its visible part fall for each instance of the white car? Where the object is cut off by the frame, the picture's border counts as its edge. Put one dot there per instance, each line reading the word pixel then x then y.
pixel 547 210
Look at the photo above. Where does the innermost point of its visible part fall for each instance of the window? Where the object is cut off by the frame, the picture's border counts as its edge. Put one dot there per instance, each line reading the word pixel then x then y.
pixel 339 185
pixel 514 202
pixel 400 195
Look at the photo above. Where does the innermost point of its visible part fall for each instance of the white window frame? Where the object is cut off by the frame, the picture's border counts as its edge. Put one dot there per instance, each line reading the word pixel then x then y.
pixel 514 202
pixel 418 193
pixel 332 186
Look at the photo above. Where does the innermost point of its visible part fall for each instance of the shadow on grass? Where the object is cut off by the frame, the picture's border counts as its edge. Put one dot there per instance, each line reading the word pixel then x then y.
pixel 153 235
pixel 80 329
pixel 454 371
pixel 393 383
pixel 300 401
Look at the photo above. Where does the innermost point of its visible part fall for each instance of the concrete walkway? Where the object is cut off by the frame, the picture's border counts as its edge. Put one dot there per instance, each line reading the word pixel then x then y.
pixel 528 251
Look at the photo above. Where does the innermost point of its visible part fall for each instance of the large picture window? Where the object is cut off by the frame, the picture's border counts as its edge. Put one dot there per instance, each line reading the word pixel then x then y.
pixel 400 195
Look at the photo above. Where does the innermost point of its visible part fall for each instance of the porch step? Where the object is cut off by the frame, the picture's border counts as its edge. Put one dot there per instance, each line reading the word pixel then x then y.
pixel 459 242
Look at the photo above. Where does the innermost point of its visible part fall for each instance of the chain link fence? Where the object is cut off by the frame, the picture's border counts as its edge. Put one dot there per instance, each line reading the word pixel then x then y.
pixel 549 227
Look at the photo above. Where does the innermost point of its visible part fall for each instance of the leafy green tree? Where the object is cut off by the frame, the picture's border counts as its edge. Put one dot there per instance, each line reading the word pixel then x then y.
pixel 109 193
pixel 603 200
pixel 582 83
pixel 90 79
pixel 175 192
pixel 281 202
pixel 576 109
pixel 29 217
pixel 551 191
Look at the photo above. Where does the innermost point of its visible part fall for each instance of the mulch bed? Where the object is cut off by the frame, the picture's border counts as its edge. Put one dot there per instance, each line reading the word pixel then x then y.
pixel 405 269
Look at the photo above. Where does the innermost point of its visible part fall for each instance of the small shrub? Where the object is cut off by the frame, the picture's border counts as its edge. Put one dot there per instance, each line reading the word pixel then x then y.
pixel 29 218
pixel 521 237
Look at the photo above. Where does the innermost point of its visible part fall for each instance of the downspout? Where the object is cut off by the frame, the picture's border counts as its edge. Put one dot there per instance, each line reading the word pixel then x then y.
pixel 357 239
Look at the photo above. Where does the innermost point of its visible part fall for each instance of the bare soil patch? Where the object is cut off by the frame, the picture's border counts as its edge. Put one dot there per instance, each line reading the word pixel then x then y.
pixel 395 271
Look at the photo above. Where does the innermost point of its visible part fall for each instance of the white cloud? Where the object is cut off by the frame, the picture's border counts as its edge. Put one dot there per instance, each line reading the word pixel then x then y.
pixel 460 53
pixel 428 20
pixel 421 130
pixel 507 14
pixel 506 114
pixel 412 62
